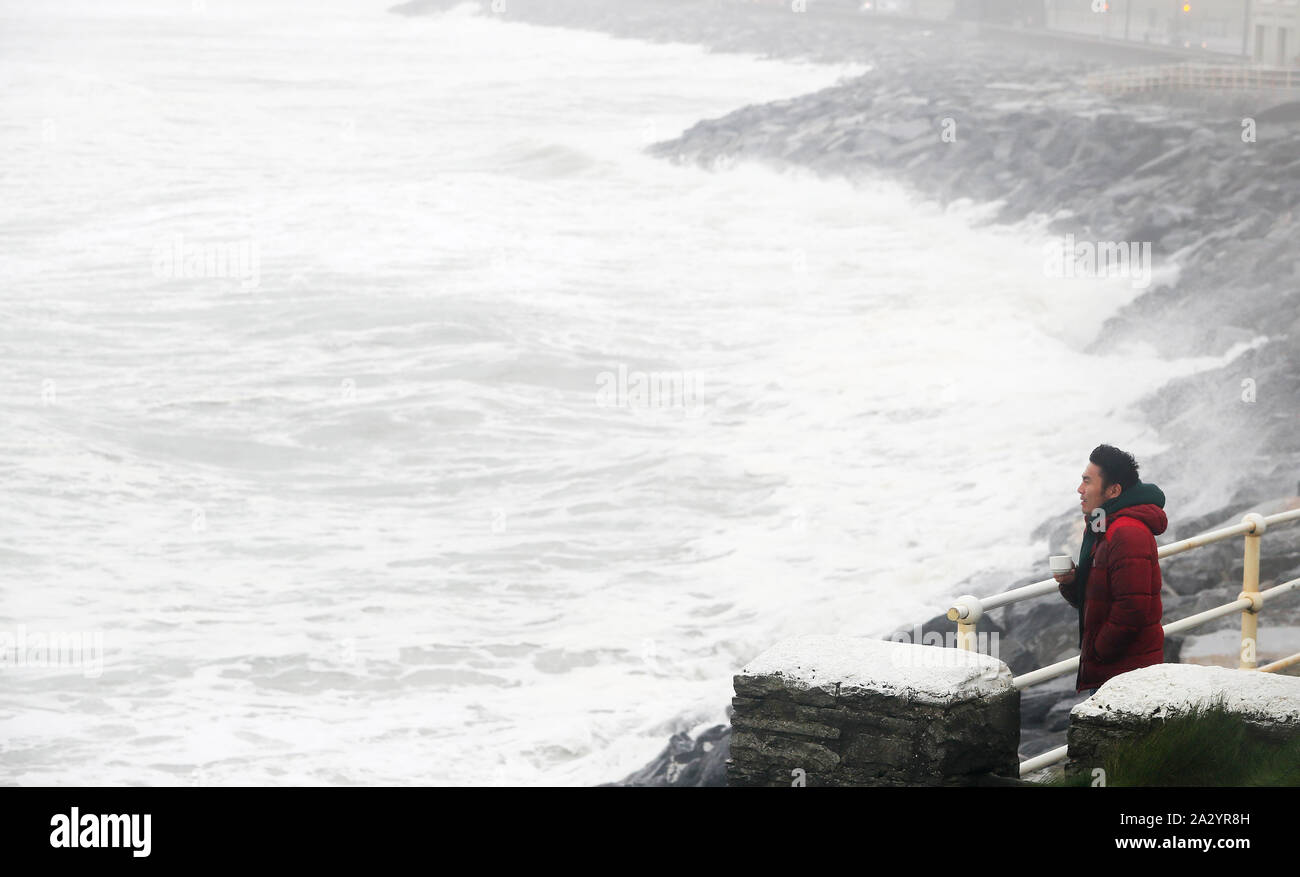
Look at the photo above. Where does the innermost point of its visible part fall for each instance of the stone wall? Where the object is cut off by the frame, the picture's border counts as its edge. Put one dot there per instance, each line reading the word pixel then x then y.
pixel 849 711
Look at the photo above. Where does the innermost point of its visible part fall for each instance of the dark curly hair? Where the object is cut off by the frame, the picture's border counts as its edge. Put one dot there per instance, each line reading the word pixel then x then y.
pixel 1117 467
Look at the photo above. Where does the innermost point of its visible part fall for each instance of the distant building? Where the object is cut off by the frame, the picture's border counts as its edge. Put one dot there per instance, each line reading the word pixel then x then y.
pixel 1212 25
pixel 1275 33
pixel 1265 32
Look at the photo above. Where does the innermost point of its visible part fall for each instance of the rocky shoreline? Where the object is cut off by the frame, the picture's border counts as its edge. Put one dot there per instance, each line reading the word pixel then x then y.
pixel 1026 133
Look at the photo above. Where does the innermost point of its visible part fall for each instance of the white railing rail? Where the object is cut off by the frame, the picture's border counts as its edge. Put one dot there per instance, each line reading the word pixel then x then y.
pixel 1192 75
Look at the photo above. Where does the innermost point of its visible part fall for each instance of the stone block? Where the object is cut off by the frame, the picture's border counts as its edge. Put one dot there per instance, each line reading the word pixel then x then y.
pixel 868 712
pixel 1131 705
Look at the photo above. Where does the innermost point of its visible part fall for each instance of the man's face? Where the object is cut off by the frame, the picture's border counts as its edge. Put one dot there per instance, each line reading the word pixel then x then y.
pixel 1091 494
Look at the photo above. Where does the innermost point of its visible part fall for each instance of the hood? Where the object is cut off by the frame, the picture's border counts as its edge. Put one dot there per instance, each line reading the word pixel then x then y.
pixel 1148 513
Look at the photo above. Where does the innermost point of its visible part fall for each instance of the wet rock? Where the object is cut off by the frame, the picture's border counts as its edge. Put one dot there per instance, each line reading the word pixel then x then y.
pixel 686 762
pixel 1036 702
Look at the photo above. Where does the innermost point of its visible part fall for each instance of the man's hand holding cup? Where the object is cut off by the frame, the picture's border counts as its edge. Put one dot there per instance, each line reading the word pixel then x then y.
pixel 1062 569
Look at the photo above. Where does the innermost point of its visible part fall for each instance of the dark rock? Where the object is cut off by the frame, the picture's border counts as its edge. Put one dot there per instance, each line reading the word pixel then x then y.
pixel 687 762
pixel 1038 700
pixel 1058 717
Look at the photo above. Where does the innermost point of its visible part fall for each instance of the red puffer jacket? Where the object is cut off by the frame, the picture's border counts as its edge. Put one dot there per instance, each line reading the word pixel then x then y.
pixel 1121 609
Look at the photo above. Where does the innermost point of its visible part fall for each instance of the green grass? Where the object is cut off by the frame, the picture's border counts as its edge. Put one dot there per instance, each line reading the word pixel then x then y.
pixel 1207 746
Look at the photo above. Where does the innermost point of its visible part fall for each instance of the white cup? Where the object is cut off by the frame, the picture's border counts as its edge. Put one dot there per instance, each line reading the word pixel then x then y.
pixel 1061 564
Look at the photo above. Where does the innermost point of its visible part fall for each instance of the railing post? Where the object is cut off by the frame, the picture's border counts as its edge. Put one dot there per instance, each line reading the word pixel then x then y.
pixel 1250 588
pixel 966 636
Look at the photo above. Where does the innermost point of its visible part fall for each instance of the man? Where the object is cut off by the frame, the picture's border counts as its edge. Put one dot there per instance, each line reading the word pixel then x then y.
pixel 1116 585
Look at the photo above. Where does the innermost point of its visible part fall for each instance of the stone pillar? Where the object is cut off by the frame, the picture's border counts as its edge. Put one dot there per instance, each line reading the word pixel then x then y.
pixel 851 711
pixel 1134 703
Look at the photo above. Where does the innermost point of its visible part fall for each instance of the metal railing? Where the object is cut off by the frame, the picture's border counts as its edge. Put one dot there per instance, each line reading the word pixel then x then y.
pixel 967 610
pixel 1194 76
